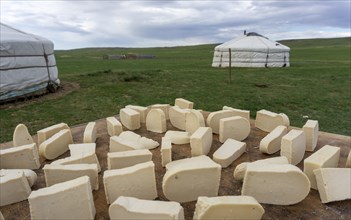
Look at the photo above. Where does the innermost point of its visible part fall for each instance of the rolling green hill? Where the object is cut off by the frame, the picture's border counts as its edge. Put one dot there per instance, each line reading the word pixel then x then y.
pixel 316 86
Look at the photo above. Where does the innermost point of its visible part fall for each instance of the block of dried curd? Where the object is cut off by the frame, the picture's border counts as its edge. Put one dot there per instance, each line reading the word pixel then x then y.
pixel 132 208
pixel 277 184
pixel 187 179
pixel 228 207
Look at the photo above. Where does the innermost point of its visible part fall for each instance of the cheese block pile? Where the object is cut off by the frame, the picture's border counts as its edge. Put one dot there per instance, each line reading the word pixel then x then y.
pixel 130 183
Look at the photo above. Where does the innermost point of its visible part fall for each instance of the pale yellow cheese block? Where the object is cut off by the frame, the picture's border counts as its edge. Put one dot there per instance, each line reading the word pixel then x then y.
pixel 89 135
pixel 163 107
pixel 267 120
pixel 333 184
pixel 148 143
pixel 193 120
pixel 311 129
pixel 239 112
pixel 22 157
pixel 348 161
pixel 21 136
pixel 62 173
pixel 30 175
pixel 114 127
pixel 235 127
pixel 201 141
pixel 229 152
pixel 293 146
pixel 214 118
pixel 187 179
pixel 136 181
pixel 178 137
pixel 56 145
pixel 277 184
pixel 240 170
pixel 118 160
pixel 118 144
pixel 183 103
pixel 129 135
pixel 270 144
pixel 79 159
pixel 177 117
pixel 72 199
pixel 82 149
pixel 134 137
pixel 156 121
pixel 143 111
pixel 48 132
pixel 129 118
pixel 14 187
pixel 228 207
pixel 132 208
pixel 327 156
pixel 166 151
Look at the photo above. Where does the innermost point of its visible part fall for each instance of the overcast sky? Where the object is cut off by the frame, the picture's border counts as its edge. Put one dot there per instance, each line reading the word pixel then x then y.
pixel 132 23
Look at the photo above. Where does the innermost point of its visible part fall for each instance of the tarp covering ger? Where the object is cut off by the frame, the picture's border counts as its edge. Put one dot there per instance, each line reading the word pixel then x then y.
pixel 251 50
pixel 27 63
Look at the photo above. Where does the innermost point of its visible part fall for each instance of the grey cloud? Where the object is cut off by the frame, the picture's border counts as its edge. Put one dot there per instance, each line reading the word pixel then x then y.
pixel 128 23
pixel 318 13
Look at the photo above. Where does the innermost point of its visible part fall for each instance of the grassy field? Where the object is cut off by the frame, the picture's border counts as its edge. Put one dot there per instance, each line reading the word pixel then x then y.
pixel 317 85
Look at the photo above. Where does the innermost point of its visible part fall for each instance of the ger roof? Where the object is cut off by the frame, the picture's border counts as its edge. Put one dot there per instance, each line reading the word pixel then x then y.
pixel 16 42
pixel 252 42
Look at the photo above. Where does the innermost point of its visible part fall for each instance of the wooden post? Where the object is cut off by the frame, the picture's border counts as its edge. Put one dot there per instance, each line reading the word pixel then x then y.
pixel 230 65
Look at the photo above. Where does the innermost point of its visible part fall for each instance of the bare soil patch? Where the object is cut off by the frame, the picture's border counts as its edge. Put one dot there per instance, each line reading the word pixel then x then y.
pixel 65 88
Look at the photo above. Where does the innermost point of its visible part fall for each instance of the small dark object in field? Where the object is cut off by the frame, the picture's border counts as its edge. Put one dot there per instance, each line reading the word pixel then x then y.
pixel 52 87
pixel 261 85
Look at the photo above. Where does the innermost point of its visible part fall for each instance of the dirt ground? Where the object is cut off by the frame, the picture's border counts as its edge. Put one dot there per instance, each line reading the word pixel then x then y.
pixel 64 89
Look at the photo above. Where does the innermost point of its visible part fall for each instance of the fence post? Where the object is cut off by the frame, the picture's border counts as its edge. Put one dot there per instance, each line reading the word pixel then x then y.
pixel 230 65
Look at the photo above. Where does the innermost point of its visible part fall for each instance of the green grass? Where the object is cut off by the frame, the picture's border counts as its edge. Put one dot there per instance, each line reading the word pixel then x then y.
pixel 316 85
